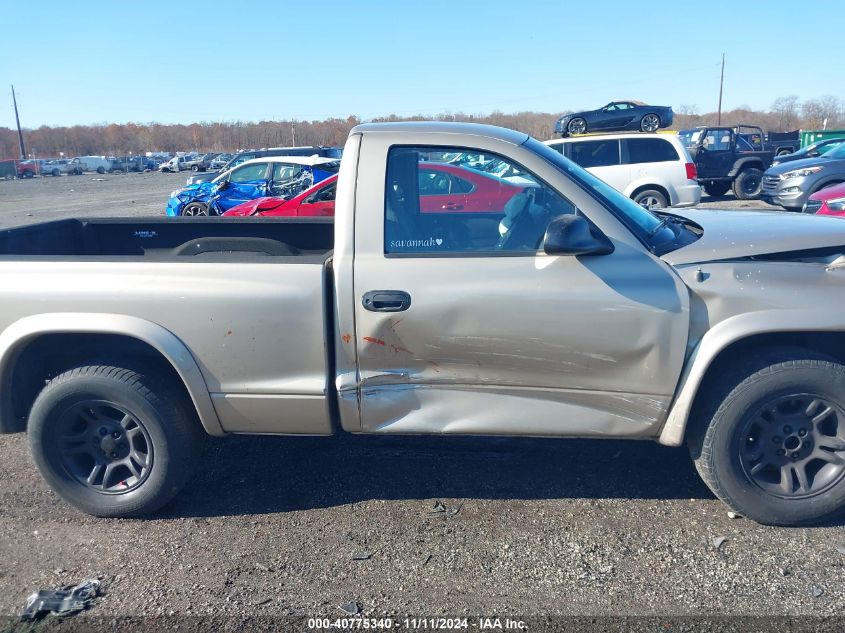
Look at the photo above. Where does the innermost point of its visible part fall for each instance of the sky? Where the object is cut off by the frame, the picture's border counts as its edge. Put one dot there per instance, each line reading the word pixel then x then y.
pixel 181 62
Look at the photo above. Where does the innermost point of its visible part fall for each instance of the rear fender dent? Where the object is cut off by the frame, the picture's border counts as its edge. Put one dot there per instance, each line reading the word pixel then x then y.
pixel 24 331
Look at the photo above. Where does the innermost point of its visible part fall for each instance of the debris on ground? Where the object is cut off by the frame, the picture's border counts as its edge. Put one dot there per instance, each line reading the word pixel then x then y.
pixel 261 567
pixel 362 556
pixel 439 508
pixel 352 608
pixel 734 515
pixel 718 540
pixel 841 549
pixel 61 602
pixel 816 592
pixel 784 571
pixel 425 562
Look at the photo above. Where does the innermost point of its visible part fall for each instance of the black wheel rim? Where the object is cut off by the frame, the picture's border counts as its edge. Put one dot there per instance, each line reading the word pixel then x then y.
pixel 104 447
pixel 751 184
pixel 793 446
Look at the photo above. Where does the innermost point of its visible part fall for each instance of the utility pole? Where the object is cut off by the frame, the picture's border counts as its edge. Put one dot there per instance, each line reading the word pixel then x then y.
pixel 18 121
pixel 292 135
pixel 721 85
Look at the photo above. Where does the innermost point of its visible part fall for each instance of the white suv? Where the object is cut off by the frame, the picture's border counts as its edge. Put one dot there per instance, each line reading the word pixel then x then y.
pixel 655 170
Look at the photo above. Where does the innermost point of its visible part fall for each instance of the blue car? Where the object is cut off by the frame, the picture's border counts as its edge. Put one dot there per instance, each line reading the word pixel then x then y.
pixel 279 176
pixel 616 116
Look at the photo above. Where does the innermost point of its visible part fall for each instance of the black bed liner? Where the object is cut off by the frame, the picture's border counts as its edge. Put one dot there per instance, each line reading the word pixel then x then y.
pixel 170 237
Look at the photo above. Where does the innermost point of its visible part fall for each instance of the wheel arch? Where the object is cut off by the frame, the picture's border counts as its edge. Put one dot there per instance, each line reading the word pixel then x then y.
pixel 138 337
pixel 733 338
pixel 660 188
pixel 745 163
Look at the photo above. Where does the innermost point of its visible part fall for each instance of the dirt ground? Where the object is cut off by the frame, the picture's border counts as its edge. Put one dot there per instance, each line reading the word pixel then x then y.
pixel 461 527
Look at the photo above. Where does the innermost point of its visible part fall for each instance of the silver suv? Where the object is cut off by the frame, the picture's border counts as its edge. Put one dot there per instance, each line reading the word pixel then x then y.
pixel 790 184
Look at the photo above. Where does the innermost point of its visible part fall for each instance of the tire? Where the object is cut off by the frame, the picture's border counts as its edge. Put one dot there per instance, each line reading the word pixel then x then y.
pixel 158 433
pixel 784 417
pixel 194 209
pixel 195 168
pixel 651 199
pixel 783 152
pixel 650 123
pixel 717 188
pixel 55 173
pixel 748 184
pixel 28 174
pixel 576 126
pixel 101 170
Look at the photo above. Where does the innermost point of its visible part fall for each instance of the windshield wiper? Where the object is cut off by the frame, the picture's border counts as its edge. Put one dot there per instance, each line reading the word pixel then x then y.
pixel 663 222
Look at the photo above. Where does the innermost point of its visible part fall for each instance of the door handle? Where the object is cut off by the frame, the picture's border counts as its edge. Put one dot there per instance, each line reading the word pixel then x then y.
pixel 386 301
pixel 452 206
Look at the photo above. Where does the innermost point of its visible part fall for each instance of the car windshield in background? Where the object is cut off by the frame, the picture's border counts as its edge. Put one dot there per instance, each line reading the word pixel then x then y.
pixel 642 222
pixel 689 137
pixel 839 152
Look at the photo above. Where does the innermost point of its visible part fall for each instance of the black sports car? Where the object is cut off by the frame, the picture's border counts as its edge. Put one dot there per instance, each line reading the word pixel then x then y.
pixel 616 115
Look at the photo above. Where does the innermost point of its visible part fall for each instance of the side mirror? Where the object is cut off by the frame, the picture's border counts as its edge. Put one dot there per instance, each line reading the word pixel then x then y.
pixel 222 185
pixel 573 235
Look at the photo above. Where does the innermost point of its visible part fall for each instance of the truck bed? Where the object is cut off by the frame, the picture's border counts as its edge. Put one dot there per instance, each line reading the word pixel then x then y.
pixel 246 299
pixel 167 238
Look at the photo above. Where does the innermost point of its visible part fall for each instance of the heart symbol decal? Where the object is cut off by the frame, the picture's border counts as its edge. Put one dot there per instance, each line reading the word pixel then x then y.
pixel 438 241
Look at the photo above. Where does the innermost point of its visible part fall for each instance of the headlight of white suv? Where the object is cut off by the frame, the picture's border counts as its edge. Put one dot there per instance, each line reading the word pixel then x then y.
pixel 800 173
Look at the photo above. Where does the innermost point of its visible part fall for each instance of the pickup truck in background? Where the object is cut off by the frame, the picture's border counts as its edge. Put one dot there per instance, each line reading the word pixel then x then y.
pixel 562 309
pixel 11 169
pixel 782 143
pixel 729 158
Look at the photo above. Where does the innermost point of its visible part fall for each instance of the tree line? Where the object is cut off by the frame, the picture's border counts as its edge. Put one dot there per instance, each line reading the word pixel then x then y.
pixel 785 114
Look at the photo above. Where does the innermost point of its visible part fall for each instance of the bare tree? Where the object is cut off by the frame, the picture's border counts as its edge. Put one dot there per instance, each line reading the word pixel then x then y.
pixel 786 110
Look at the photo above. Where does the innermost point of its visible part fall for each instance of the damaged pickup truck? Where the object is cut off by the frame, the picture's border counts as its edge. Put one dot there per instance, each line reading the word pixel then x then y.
pixel 561 309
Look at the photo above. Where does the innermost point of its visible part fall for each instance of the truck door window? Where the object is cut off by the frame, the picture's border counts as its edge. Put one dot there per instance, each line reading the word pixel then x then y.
pixel 435 208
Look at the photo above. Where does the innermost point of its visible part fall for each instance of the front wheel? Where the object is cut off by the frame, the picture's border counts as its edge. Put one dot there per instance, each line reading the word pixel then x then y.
pixel 101 170
pixel 650 123
pixel 112 441
pixel 195 168
pixel 775 448
pixel 748 184
pixel 577 126
pixel 193 209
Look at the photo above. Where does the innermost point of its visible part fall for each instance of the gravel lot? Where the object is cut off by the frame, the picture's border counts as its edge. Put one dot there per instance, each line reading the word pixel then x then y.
pixel 420 526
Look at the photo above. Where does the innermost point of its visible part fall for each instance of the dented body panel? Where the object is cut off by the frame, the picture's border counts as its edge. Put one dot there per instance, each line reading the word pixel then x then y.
pixel 613 344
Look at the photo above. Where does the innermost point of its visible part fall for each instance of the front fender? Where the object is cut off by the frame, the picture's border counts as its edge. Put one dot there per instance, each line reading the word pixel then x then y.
pixel 724 334
pixel 22 332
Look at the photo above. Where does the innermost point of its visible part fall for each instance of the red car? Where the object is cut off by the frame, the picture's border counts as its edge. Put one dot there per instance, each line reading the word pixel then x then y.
pixel 317 200
pixel 443 188
pixel 827 201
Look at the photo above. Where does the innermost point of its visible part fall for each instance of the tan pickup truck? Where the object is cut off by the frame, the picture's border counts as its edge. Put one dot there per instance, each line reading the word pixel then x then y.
pixel 537 301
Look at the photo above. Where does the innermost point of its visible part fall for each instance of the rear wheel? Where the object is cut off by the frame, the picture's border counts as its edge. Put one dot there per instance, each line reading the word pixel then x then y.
pixel 101 170
pixel 55 172
pixel 748 184
pixel 651 199
pixel 774 450
pixel 112 441
pixel 717 188
pixel 650 123
pixel 195 168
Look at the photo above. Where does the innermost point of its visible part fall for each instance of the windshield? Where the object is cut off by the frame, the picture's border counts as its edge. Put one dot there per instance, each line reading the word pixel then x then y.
pixel 689 137
pixel 639 220
pixel 839 152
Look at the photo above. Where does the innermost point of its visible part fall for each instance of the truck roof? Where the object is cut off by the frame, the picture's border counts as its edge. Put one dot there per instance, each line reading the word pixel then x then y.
pixel 444 127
